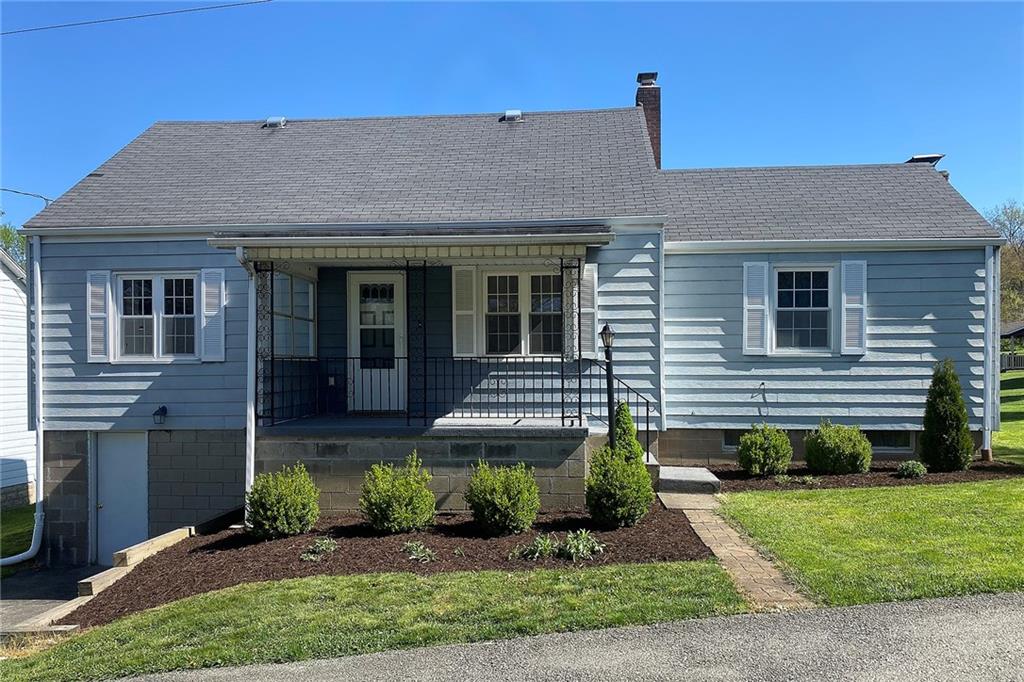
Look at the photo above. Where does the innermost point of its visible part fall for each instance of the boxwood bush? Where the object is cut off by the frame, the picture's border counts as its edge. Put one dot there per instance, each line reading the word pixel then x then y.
pixel 619 490
pixel 282 504
pixel 911 469
pixel 946 443
pixel 837 449
pixel 397 499
pixel 765 451
pixel 503 500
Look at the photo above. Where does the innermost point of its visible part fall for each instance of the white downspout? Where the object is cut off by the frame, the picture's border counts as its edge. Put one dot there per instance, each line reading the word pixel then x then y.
pixel 37 307
pixel 250 373
pixel 986 439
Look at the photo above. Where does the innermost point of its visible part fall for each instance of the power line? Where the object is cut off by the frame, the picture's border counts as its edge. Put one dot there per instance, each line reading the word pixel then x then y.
pixel 136 16
pixel 27 194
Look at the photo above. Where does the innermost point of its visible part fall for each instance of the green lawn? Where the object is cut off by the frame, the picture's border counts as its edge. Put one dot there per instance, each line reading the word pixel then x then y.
pixel 331 616
pixel 15 533
pixel 855 546
pixel 1008 442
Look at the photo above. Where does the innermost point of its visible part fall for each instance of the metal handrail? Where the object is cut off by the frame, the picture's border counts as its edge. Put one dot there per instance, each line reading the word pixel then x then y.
pixel 638 403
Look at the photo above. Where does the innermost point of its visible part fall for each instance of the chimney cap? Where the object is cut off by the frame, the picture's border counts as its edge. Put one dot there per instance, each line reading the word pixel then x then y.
pixel 933 159
pixel 647 78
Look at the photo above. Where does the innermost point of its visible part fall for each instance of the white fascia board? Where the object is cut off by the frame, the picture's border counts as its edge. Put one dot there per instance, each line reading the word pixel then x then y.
pixel 590 239
pixel 12 265
pixel 781 245
pixel 179 231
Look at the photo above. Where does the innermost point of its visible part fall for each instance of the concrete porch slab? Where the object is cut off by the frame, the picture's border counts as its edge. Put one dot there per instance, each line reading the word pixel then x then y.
pixel 688 480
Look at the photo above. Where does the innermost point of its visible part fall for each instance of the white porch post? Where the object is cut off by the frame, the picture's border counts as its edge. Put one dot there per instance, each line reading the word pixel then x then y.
pixel 250 386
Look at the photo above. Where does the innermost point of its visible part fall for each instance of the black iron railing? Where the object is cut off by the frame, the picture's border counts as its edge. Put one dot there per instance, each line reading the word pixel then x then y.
pixel 423 389
pixel 595 389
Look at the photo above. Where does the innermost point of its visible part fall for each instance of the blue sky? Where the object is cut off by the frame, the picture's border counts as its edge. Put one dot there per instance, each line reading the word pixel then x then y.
pixel 743 84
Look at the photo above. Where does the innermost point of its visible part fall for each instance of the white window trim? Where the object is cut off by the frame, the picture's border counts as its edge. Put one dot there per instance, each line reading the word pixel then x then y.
pixel 773 303
pixel 524 312
pixel 158 356
pixel 314 349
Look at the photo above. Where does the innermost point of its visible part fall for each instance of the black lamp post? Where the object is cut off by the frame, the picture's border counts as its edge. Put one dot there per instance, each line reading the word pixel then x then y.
pixel 608 338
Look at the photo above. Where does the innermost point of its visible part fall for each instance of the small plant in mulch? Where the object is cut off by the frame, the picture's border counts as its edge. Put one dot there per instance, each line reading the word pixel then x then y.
pixel 459 552
pixel 911 469
pixel 319 550
pixel 579 545
pixel 282 504
pixel 417 551
pixel 765 450
pixel 542 547
pixel 946 443
pixel 504 500
pixel 837 449
pixel 397 499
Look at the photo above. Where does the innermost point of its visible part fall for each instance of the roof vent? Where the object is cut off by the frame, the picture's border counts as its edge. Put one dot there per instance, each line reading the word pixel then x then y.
pixel 925 158
pixel 647 78
pixel 511 116
pixel 275 122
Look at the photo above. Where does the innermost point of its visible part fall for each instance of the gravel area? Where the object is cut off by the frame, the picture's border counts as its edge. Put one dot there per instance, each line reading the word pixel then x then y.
pixel 211 562
pixel 972 638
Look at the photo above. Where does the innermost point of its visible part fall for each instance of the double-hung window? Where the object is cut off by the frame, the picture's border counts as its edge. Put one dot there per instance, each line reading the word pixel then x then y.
pixel 803 309
pixel 157 316
pixel 294 316
pixel 523 314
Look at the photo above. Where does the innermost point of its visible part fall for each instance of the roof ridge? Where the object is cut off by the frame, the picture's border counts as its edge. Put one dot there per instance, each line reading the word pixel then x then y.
pixel 486 114
pixel 898 164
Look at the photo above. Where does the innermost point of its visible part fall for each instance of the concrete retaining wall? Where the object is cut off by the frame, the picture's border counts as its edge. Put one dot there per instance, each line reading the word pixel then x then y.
pixel 65 498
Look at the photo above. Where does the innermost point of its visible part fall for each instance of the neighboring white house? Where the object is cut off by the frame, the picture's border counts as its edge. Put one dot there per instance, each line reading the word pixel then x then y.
pixel 17 442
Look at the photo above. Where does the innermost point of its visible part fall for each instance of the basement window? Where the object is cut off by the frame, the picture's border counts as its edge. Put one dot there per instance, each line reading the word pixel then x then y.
pixel 892 441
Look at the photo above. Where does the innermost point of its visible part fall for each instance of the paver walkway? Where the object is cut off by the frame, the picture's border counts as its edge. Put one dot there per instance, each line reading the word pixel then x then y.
pixel 759 580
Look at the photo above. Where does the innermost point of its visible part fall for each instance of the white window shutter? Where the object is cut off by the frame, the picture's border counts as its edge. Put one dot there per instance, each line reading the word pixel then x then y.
pixel 463 310
pixel 97 302
pixel 755 308
pixel 588 310
pixel 854 314
pixel 212 299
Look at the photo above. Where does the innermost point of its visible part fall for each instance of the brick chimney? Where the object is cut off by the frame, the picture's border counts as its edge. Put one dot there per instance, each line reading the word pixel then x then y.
pixel 648 96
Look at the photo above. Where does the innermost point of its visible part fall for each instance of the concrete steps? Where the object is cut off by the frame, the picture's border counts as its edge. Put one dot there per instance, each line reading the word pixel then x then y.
pixel 687 480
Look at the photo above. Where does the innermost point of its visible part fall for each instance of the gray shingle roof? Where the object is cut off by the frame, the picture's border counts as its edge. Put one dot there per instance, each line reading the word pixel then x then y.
pixel 555 165
pixel 885 201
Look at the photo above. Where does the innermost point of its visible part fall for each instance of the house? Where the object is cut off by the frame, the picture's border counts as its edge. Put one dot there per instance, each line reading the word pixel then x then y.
pixel 1012 330
pixel 224 297
pixel 17 439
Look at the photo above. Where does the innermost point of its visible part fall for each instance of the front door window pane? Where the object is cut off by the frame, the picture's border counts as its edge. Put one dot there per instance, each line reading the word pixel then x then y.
pixel 377 325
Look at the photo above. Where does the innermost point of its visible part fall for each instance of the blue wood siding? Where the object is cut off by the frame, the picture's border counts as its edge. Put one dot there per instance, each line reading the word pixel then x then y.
pixel 97 396
pixel 922 306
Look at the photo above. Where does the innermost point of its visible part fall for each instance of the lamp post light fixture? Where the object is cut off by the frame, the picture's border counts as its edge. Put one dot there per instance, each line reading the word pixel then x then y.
pixel 608 338
pixel 160 415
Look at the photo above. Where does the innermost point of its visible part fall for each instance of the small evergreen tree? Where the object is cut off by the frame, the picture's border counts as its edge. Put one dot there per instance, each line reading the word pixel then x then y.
pixel 625 433
pixel 946 444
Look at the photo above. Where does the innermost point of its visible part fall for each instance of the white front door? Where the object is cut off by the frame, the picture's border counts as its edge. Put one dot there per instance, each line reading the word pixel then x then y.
pixel 122 492
pixel 376 341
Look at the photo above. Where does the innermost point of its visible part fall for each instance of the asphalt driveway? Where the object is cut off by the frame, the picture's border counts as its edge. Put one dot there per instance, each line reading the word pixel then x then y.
pixel 973 638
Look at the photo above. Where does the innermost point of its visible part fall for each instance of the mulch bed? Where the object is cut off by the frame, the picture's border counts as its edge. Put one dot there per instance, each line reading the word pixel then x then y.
pixel 212 562
pixel 735 479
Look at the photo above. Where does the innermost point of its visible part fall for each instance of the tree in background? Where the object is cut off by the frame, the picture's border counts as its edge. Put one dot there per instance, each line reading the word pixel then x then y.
pixel 1008 219
pixel 12 241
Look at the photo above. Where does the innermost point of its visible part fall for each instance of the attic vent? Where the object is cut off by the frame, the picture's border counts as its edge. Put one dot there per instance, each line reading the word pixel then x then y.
pixel 275 122
pixel 511 116
pixel 925 158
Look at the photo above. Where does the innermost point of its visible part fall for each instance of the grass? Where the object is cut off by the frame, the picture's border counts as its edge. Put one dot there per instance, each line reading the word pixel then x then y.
pixel 328 616
pixel 862 545
pixel 15 533
pixel 1008 442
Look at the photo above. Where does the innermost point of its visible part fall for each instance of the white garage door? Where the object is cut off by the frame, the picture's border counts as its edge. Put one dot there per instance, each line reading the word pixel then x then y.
pixel 122 493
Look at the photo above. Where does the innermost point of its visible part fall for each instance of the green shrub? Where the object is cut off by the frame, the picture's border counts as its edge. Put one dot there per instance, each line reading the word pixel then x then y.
pixel 911 469
pixel 946 443
pixel 542 547
pixel 503 499
pixel 319 549
pixel 282 504
pixel 397 500
pixel 765 451
pixel 579 545
pixel 619 490
pixel 625 433
pixel 417 551
pixel 837 449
